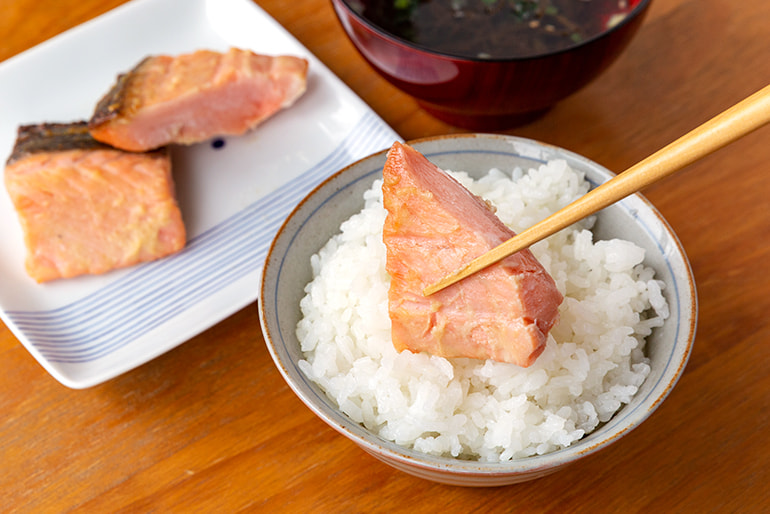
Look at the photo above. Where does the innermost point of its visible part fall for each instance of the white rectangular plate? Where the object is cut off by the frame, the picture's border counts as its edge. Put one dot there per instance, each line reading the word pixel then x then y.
pixel 86 330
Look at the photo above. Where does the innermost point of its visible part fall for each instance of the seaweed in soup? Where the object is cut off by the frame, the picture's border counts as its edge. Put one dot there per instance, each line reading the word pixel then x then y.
pixel 494 29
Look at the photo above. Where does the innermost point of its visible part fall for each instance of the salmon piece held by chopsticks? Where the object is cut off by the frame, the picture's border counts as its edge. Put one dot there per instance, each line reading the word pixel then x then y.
pixel 87 208
pixel 193 97
pixel 435 225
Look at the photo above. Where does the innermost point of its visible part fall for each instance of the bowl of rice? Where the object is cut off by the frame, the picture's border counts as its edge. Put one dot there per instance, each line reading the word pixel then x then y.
pixel 624 335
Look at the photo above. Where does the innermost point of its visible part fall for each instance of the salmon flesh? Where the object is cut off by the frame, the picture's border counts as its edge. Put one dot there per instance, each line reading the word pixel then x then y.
pixel 435 225
pixel 87 208
pixel 193 97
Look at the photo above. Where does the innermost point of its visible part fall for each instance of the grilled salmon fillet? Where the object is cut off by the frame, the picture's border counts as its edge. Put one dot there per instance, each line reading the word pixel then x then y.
pixel 433 226
pixel 87 208
pixel 192 97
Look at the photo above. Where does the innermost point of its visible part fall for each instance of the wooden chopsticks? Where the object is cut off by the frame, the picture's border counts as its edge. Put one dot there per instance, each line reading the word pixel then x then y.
pixel 732 124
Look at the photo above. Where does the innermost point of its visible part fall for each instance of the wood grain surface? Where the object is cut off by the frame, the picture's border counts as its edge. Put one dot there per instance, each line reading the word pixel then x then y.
pixel 211 427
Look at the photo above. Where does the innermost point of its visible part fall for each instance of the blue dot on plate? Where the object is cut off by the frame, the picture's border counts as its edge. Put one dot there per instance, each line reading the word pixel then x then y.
pixel 218 143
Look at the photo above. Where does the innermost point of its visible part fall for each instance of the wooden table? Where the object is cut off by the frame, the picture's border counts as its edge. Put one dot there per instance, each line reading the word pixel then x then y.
pixel 211 426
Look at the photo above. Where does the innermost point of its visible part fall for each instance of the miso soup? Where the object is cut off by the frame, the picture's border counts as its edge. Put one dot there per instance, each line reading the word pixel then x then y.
pixel 494 29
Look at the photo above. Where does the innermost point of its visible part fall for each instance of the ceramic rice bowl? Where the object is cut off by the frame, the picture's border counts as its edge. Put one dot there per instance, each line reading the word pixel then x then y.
pixel 318 217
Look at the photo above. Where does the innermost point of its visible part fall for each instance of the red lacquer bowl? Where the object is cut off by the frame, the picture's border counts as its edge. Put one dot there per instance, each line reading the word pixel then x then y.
pixel 487 94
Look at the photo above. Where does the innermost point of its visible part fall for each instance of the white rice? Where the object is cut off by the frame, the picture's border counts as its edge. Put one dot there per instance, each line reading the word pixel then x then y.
pixel 593 363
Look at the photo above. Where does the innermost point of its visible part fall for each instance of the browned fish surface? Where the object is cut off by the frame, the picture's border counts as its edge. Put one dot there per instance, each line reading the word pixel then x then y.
pixel 87 208
pixel 52 137
pixel 192 97
pixel 433 226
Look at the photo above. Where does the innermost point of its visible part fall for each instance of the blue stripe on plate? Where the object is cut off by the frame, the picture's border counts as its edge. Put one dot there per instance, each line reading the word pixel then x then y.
pixel 156 292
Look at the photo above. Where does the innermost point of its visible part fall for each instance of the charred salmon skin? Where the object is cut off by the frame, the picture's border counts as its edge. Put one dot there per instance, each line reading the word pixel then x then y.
pixel 87 208
pixel 193 97
pixel 433 226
